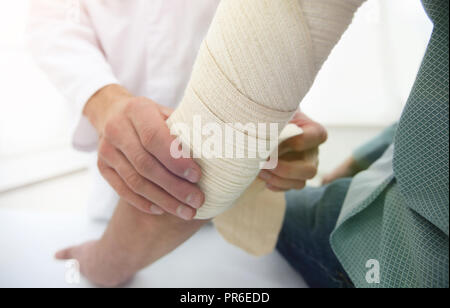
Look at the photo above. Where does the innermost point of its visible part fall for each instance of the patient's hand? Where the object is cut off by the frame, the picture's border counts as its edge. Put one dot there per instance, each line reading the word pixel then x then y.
pixel 132 241
pixel 301 162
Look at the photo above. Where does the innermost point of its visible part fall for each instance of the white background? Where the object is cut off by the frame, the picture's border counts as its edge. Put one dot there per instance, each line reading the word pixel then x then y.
pixel 364 84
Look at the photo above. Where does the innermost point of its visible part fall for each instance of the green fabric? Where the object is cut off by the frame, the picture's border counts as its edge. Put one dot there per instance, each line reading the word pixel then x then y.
pixel 421 148
pixel 371 151
pixel 404 223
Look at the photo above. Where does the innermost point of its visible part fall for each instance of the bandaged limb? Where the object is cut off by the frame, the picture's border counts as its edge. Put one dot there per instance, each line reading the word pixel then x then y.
pixel 257 63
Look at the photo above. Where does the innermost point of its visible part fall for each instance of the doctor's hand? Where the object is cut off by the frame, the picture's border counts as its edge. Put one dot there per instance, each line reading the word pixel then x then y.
pixel 301 158
pixel 134 154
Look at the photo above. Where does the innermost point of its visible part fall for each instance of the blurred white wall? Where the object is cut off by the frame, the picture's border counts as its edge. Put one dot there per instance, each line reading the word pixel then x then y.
pixel 35 120
pixel 33 116
pixel 365 83
pixel 367 79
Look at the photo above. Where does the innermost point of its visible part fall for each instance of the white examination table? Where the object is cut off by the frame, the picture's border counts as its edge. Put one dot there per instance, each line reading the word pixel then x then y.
pixel 28 240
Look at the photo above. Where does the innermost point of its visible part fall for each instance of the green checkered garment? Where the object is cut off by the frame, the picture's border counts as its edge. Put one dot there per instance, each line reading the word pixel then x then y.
pixel 404 224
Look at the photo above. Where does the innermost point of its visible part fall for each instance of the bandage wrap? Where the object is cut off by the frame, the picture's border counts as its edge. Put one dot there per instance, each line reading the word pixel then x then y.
pixel 258 61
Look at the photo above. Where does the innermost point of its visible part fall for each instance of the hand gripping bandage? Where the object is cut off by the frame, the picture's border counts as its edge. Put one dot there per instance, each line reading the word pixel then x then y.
pixel 257 63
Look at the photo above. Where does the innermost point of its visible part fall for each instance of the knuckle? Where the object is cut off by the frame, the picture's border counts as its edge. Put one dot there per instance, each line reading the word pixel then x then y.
pixel 130 107
pixel 134 180
pixel 104 149
pixel 132 104
pixel 135 104
pixel 144 163
pixel 112 129
pixel 148 137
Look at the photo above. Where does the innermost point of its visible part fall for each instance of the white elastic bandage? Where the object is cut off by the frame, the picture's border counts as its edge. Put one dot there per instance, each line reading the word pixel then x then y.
pixel 258 61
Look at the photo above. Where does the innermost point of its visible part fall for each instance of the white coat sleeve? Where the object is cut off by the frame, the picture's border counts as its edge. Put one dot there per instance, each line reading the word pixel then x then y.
pixel 65 46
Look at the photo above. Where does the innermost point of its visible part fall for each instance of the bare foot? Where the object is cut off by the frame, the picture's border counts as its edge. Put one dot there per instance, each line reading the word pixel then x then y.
pixel 101 267
pixel 132 241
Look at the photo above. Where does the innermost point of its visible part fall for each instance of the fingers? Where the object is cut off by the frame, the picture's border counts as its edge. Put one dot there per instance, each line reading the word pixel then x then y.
pixel 126 193
pixel 135 159
pixel 300 161
pixel 132 187
pixel 313 136
pixel 292 171
pixel 144 167
pixel 277 183
pixel 156 139
pixel 295 170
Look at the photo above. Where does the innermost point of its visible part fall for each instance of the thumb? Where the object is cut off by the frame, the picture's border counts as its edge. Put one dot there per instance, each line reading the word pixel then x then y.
pixel 65 254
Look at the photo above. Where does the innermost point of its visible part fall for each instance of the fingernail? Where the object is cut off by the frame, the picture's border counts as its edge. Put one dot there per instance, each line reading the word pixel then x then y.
pixel 265 175
pixel 156 210
pixel 185 212
pixel 195 200
pixel 192 175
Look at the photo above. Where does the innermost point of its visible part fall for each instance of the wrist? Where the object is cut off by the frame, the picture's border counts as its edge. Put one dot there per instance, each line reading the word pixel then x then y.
pixel 103 103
